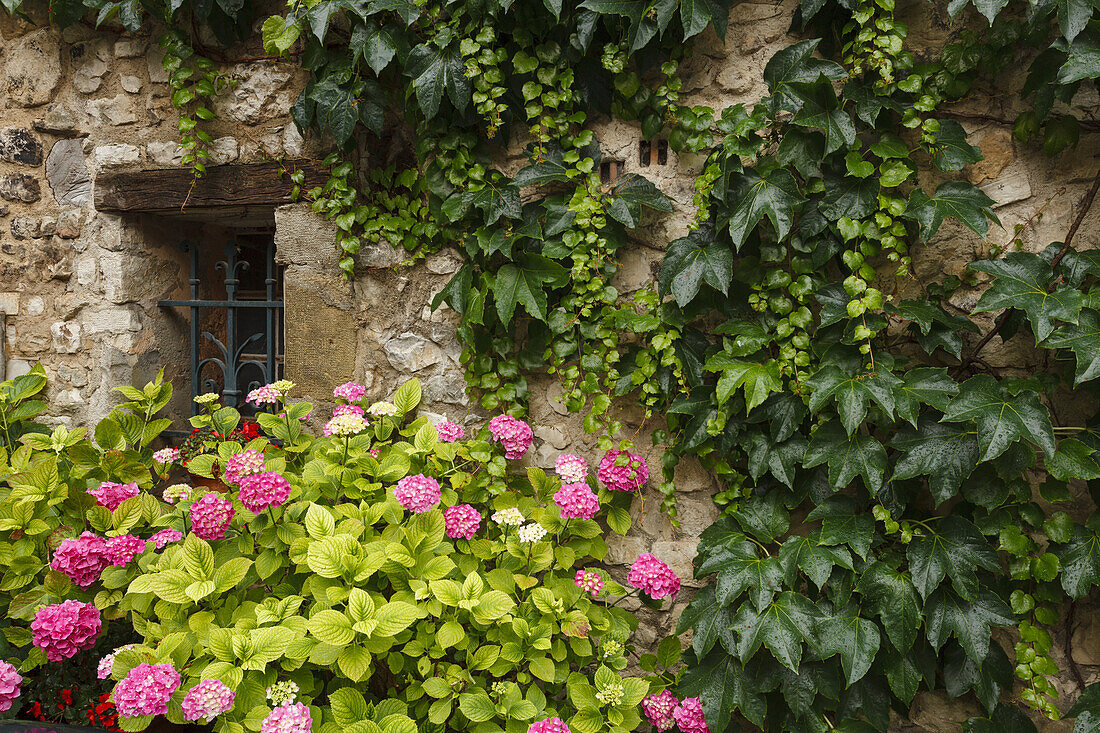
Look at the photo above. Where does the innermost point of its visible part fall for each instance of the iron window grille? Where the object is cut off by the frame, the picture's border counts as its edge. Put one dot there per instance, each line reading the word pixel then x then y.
pixel 251 352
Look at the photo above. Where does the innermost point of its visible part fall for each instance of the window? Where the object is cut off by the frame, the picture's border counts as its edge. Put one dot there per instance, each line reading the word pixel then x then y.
pixel 236 330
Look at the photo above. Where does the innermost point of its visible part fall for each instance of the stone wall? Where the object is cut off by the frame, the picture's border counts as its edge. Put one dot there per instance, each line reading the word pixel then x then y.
pixel 78 288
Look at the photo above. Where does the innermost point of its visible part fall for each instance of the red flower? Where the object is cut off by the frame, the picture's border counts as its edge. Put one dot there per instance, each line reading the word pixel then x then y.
pixel 67 696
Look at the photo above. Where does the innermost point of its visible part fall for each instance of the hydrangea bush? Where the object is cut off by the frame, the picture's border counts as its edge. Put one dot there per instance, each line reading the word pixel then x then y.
pixel 381 577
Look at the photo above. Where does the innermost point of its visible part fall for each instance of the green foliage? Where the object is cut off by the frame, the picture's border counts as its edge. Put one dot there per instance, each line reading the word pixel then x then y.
pixel 377 615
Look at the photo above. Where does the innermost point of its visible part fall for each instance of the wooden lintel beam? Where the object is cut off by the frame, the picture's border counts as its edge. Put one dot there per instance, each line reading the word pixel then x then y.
pixel 259 184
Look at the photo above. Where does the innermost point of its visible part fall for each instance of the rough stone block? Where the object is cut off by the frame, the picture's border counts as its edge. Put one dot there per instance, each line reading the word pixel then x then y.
pixel 117 110
pixel 130 83
pixel 67 173
pixel 115 155
pixel 303 238
pixel 32 69
pixel 109 320
pixel 320 341
pixel 66 337
pixel 20 187
pixel 20 145
pixel 129 48
pixel 410 353
pixel 9 304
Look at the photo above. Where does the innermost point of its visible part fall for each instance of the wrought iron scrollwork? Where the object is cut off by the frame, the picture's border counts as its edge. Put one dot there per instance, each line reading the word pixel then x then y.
pixel 232 359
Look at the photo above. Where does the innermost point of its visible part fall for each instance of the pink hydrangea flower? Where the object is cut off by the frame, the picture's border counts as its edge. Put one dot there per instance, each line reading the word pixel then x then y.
pixel 571 468
pixel 350 391
pixel 654 577
pixel 462 521
pixel 689 716
pixel 629 477
pixel 261 490
pixel 515 435
pixel 550 725
pixel 658 710
pixel 577 501
pixel 450 432
pixel 64 629
pixel 166 536
pixel 589 580
pixel 122 549
pixel 348 410
pixel 10 679
pixel 417 493
pixel 104 668
pixel 82 558
pixel 111 495
pixel 288 718
pixel 210 516
pixel 243 464
pixel 375 452
pixel 146 690
pixel 265 395
pixel 207 700
pixel 167 455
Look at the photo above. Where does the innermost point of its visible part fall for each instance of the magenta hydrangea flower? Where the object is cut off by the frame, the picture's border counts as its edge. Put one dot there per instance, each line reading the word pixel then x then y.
pixel 653 577
pixel 550 725
pixel 167 455
pixel 629 477
pixel 658 710
pixel 350 391
pixel 10 680
pixel 210 516
pixel 461 520
pixel 689 716
pixel 146 690
pixel 571 468
pixel 261 490
pixel 207 700
pixel 82 558
pixel 417 493
pixel 66 628
pixel 122 549
pixel 111 495
pixel 265 395
pixel 166 536
pixel 589 580
pixel 348 410
pixel 103 669
pixel 515 435
pixel 450 432
pixel 577 501
pixel 288 718
pixel 243 464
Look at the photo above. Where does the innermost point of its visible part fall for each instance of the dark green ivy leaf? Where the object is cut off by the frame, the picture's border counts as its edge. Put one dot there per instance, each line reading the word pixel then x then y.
pixel 522 283
pixel 1073 459
pixel 959 199
pixel 1084 340
pixel 852 393
pixel 407 9
pixel 782 627
pixel 1022 280
pixel 987 679
pixel 813 558
pixel 924 385
pixel 630 195
pixel 723 688
pixel 855 639
pixel 775 194
pixel 434 71
pixel 689 262
pixel 1086 710
pixel 1001 418
pixel 1006 719
pixel 955 548
pixel 376 44
pixel 947 454
pixel 763 517
pixel 951 151
pixel 849 196
pixel 843 524
pixel 947 614
pixel 848 456
pixel 780 459
pixel 796 64
pixel 890 595
pixel 739 568
pixel 1080 560
pixel 821 111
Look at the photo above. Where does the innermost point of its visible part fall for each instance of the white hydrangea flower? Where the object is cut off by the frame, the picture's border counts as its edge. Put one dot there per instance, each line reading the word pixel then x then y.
pixel 532 532
pixel 384 409
pixel 206 399
pixel 283 386
pixel 510 516
pixel 282 693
